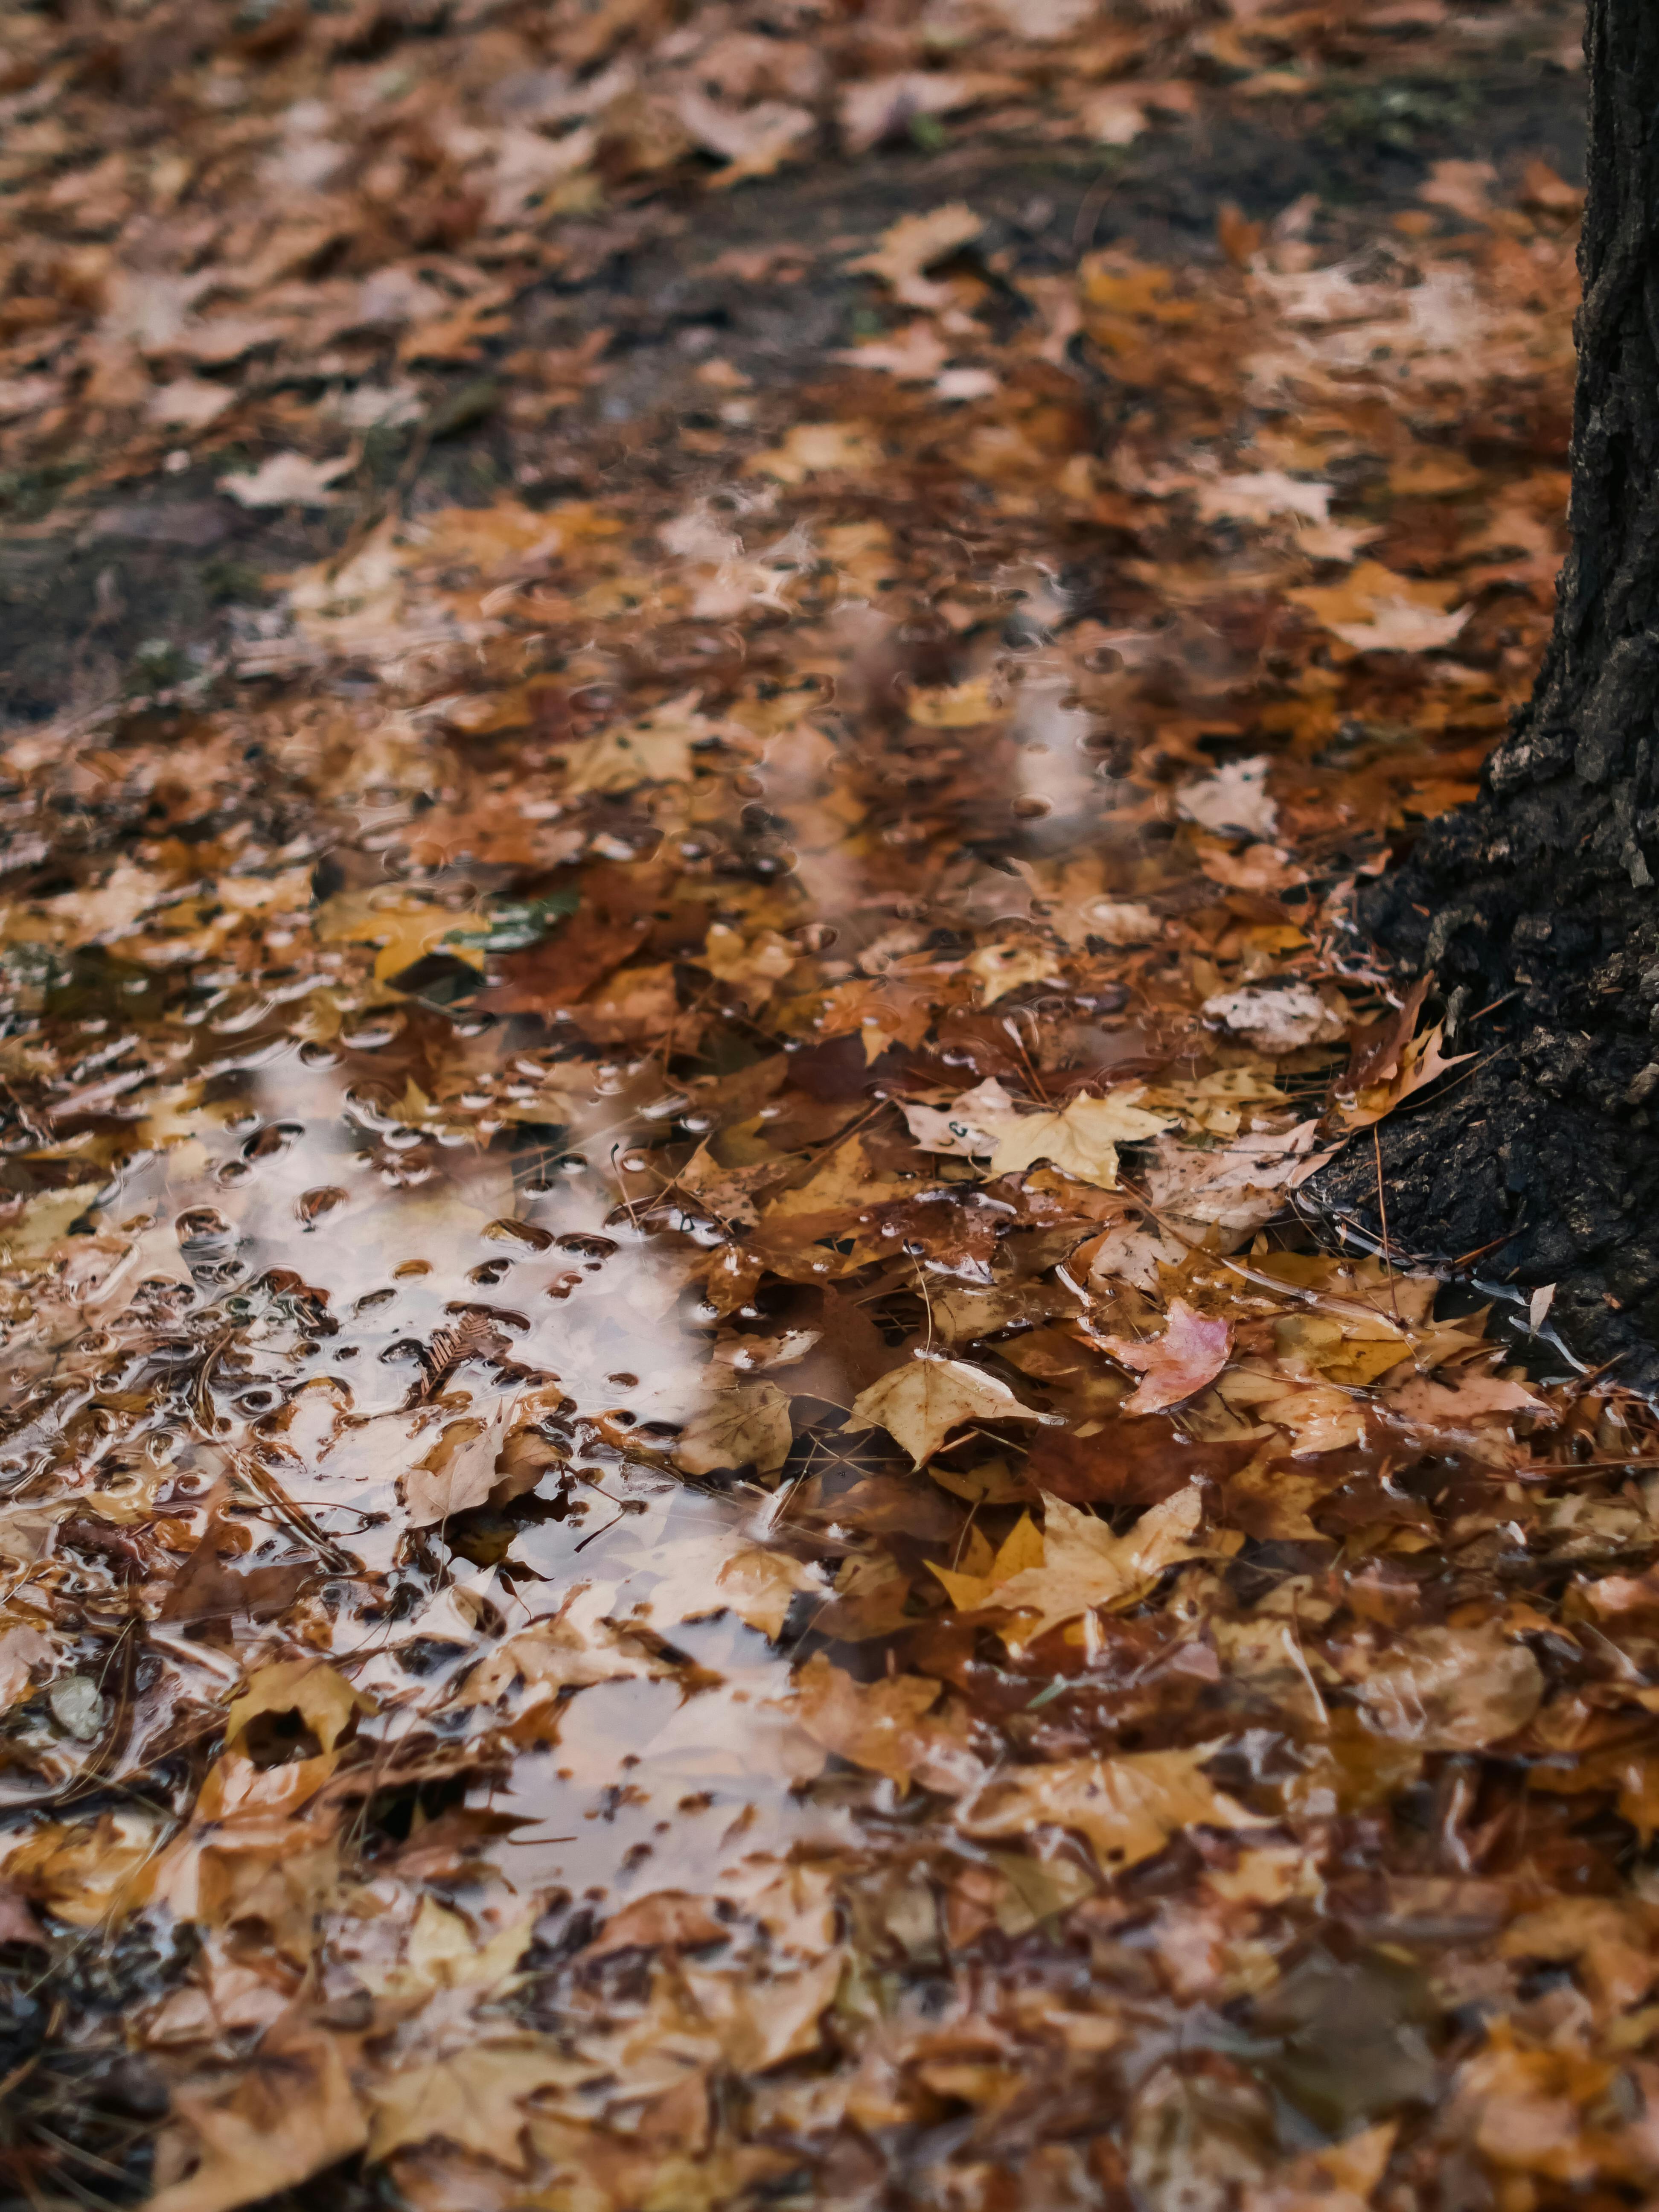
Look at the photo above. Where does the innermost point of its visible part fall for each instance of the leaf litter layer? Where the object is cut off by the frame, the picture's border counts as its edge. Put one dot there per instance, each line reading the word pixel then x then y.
pixel 692 1515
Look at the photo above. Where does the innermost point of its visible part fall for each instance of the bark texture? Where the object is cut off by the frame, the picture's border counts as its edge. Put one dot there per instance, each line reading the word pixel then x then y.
pixel 1544 894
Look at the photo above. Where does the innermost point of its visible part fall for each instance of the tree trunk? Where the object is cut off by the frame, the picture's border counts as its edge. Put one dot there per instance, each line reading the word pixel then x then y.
pixel 1544 894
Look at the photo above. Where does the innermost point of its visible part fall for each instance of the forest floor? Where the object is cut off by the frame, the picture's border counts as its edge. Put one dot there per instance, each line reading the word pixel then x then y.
pixel 693 1512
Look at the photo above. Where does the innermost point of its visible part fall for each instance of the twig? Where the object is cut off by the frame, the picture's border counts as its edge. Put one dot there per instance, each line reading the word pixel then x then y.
pixel 1383 1210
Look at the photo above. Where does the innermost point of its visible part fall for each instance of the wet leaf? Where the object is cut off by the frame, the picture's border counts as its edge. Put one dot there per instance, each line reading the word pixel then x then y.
pixel 1126 1808
pixel 326 1704
pixel 923 1400
pixel 1083 1564
pixel 1450 1689
pixel 292 2113
pixel 289 480
pixel 748 1425
pixel 457 1475
pixel 473 2099
pixel 1191 1352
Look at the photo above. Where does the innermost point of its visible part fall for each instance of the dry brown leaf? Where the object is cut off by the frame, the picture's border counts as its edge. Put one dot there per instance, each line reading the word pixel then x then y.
pixel 912 246
pixel 1373 611
pixel 289 480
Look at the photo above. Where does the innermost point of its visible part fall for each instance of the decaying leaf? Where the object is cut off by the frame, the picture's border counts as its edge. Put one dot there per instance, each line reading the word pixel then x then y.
pixel 289 480
pixel 457 1475
pixel 473 2099
pixel 1126 1808
pixel 1447 1689
pixel 1278 1021
pixel 1192 1351
pixel 292 2111
pixel 888 1726
pixel 920 1403
pixel 562 1653
pixel 606 1500
pixel 1234 801
pixel 748 1425
pixel 756 1583
pixel 323 1701
pixel 1082 1565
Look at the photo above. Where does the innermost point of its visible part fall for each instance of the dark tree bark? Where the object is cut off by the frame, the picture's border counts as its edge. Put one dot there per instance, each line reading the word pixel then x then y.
pixel 1544 893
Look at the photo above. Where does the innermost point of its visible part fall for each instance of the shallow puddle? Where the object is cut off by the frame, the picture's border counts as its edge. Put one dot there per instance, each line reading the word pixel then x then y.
pixel 693 1512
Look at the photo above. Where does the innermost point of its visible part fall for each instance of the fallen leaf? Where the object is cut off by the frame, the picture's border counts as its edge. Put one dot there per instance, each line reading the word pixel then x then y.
pixel 324 1700
pixel 1084 1565
pixel 17 1923
pixel 754 141
pixel 473 2099
pixel 291 2112
pixel 1114 116
pixel 914 355
pixel 1126 1808
pixel 817 449
pixel 289 480
pixel 667 1920
pixel 881 107
pixel 657 748
pixel 1411 1066
pixel 1449 1689
pixel 1260 496
pixel 564 1652
pixel 968 1127
pixel 754 1580
pixel 761 2024
pixel 889 1727
pixel 1022 1548
pixel 953 706
pixel 1233 802
pixel 22 1649
pixel 1465 187
pixel 1004 967
pixel 1278 1019
pixel 871 1723
pixel 912 246
pixel 1081 1139
pixel 458 1473
pixel 746 1426
pixel 920 1403
pixel 1375 611
pixel 1466 1396
pixel 1192 1351
pixel 190 403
